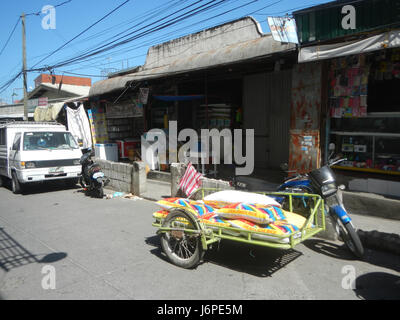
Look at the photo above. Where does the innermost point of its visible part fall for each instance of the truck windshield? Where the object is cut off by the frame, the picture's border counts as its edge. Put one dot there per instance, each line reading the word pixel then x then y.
pixel 49 141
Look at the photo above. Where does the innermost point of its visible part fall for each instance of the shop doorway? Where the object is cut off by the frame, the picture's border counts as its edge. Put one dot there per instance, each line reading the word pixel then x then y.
pixel 266 107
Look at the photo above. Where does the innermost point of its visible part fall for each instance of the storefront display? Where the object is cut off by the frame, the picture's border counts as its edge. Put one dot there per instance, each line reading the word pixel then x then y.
pixel 98 123
pixel 217 115
pixel 348 87
pixel 120 123
pixel 365 111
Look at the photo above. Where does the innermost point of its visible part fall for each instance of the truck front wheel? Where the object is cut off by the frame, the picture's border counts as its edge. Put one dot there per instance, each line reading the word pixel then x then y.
pixel 15 184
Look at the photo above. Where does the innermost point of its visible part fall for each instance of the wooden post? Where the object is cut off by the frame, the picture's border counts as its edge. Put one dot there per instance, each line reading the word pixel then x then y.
pixel 24 68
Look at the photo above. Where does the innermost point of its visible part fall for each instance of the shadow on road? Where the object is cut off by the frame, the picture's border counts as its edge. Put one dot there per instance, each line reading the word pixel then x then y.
pixel 374 257
pixel 13 254
pixel 330 249
pixel 48 186
pixel 254 260
pixel 378 286
pixel 154 241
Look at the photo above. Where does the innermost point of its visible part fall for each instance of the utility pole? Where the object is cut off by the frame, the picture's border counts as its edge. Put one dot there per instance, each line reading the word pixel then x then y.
pixel 24 68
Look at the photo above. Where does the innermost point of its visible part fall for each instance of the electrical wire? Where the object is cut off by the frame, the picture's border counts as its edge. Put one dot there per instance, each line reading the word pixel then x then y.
pixel 163 37
pixel 132 35
pixel 39 12
pixel 9 37
pixel 113 44
pixel 288 10
pixel 154 11
pixel 8 83
pixel 82 32
pixel 174 32
pixel 137 24
pixel 113 40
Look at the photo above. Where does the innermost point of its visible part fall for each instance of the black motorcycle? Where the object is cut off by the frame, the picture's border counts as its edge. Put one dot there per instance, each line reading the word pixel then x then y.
pixel 320 181
pixel 323 182
pixel 92 179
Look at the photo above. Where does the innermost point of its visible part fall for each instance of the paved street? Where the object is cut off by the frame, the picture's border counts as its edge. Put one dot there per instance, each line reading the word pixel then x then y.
pixel 107 249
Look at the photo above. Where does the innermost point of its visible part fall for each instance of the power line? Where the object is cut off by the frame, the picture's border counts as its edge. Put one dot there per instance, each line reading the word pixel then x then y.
pixel 92 25
pixel 89 54
pixel 267 6
pixel 12 32
pixel 113 40
pixel 287 10
pixel 135 34
pixel 5 86
pixel 146 43
pixel 154 11
pixel 39 12
pixel 163 38
pixel 153 41
pixel 113 44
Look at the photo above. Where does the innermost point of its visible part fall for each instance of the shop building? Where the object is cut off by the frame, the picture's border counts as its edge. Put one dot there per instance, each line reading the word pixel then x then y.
pixel 358 106
pixel 231 76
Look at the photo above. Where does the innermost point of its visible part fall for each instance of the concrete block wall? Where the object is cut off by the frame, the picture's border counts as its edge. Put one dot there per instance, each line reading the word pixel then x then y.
pixel 125 177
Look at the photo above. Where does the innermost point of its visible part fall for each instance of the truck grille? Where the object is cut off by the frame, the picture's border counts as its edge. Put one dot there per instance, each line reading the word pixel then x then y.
pixel 54 163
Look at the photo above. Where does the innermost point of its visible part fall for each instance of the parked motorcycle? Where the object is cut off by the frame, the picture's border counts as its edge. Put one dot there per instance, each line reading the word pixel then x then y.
pixel 322 181
pixel 92 178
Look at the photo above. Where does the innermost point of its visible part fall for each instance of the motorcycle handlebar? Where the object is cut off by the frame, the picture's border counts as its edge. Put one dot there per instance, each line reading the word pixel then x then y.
pixel 333 162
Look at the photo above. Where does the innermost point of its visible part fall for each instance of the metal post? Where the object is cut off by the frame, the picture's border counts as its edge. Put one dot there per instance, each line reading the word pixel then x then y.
pixel 24 68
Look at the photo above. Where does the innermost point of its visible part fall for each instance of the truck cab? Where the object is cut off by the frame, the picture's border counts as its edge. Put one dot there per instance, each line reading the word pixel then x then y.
pixel 35 152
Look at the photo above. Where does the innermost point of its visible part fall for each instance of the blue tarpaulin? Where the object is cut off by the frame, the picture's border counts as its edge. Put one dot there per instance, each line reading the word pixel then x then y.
pixel 179 98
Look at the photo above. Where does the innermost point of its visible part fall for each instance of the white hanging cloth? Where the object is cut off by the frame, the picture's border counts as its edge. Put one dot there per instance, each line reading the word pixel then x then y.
pixel 78 125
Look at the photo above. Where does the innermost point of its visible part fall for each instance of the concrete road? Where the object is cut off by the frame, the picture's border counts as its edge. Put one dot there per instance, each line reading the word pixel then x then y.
pixel 60 244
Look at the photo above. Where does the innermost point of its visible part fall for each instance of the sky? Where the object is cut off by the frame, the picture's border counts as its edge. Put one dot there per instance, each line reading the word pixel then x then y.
pixel 93 23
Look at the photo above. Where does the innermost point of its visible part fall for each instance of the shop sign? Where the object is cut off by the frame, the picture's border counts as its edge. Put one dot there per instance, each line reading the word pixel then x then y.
pixel 143 95
pixel 283 29
pixel 123 110
pixel 40 102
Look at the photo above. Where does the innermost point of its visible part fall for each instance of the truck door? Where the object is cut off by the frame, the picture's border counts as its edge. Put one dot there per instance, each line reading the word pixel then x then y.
pixel 3 152
pixel 14 155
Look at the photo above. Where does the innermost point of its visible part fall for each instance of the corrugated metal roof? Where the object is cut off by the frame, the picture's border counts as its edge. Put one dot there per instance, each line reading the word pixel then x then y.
pixel 261 46
pixel 17 110
pixel 68 88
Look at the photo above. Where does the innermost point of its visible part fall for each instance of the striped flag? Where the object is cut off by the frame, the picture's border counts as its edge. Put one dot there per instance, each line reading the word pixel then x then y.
pixel 191 180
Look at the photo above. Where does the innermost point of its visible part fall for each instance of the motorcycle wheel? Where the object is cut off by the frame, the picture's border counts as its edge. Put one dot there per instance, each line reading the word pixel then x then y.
pixel 82 182
pixel 349 236
pixel 100 193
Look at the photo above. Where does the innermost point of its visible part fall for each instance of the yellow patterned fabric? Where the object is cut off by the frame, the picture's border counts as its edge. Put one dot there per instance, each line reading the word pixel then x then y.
pixel 197 208
pixel 261 214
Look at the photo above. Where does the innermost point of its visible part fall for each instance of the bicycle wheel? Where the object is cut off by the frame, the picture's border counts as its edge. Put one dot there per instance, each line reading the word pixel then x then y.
pixel 182 247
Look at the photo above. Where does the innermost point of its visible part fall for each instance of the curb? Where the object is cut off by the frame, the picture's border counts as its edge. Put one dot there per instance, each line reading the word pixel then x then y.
pixel 389 242
pixel 370 204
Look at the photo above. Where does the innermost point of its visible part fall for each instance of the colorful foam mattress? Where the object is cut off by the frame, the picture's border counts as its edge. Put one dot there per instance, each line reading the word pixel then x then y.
pixel 270 222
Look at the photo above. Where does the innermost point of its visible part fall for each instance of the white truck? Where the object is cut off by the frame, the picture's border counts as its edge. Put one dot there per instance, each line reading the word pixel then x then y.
pixel 37 151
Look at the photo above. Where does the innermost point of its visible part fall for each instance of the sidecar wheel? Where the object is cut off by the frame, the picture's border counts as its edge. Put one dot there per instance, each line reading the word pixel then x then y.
pixel 182 248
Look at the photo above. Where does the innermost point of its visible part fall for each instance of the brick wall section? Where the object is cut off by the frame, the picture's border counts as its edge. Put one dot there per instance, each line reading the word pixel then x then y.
pixel 76 81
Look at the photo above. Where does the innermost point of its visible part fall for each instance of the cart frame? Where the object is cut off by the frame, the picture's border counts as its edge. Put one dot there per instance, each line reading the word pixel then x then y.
pixel 208 235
